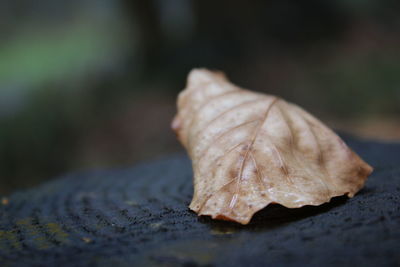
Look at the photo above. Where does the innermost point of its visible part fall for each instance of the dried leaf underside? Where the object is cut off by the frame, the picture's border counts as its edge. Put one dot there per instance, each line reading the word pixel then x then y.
pixel 250 149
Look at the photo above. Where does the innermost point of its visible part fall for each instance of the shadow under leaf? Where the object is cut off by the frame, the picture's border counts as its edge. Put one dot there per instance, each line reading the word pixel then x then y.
pixel 272 216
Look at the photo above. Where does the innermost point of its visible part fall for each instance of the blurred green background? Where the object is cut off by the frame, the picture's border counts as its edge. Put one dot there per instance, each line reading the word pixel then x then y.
pixel 92 84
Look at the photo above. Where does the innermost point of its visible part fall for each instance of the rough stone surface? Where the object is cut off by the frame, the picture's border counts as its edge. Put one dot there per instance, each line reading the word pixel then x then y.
pixel 140 216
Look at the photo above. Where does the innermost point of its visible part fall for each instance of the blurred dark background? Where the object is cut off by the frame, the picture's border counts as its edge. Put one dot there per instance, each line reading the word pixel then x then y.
pixel 92 83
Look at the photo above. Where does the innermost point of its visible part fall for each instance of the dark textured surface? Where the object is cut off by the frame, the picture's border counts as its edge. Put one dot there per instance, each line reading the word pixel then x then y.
pixel 139 216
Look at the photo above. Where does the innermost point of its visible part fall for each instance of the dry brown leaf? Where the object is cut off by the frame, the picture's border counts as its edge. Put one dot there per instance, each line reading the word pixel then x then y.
pixel 250 149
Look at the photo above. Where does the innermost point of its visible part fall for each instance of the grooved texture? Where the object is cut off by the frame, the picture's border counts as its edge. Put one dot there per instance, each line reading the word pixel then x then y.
pixel 139 216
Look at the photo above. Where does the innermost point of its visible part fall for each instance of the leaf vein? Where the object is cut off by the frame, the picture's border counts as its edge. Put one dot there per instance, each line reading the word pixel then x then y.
pixel 196 135
pixel 259 176
pixel 222 135
pixel 239 177
pixel 194 117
